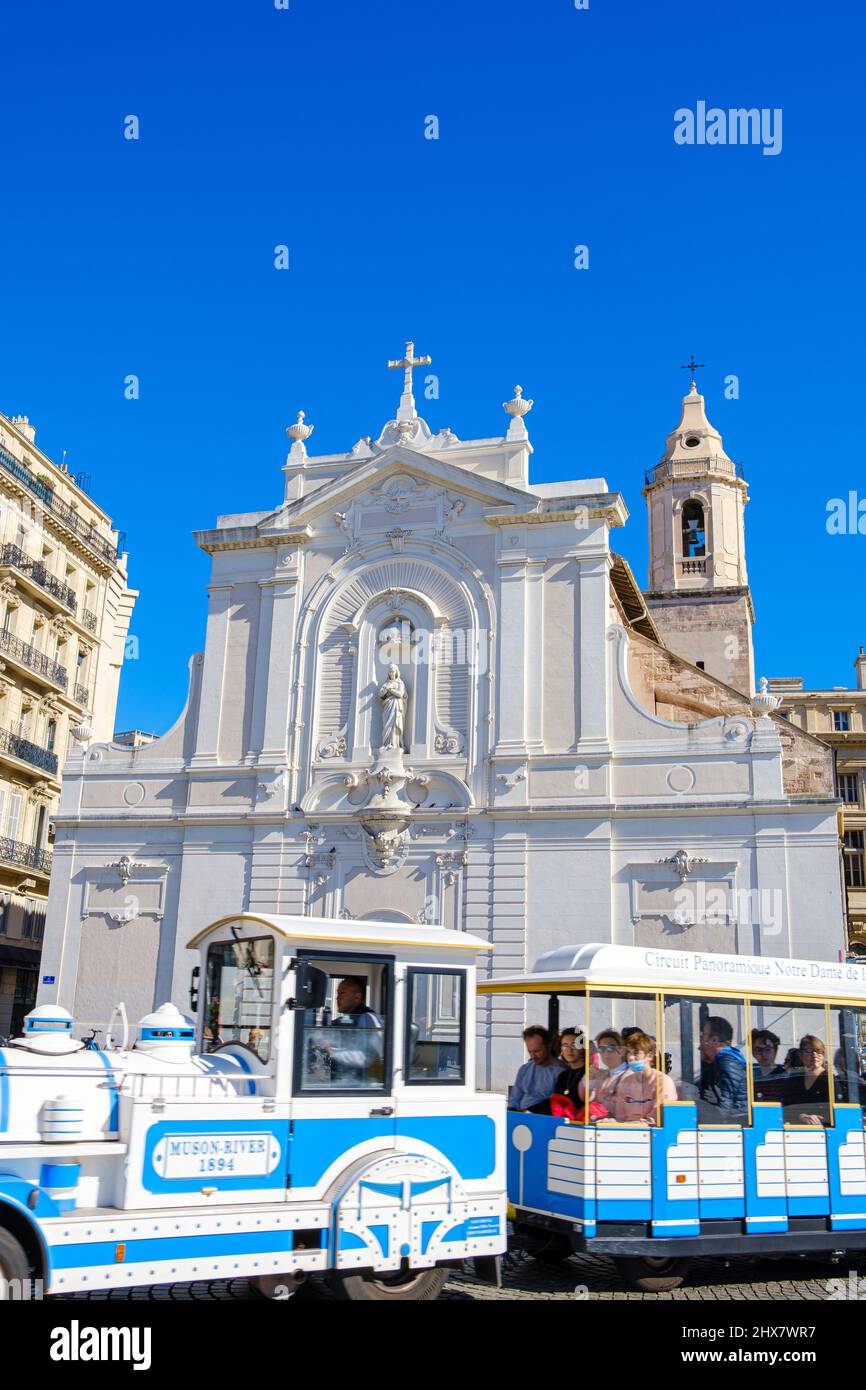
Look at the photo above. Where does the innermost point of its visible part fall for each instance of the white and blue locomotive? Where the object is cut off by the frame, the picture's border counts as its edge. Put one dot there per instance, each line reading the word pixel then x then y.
pixel 318 1115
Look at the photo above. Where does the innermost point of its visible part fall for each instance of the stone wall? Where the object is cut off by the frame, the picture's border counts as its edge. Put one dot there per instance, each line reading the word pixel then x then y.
pixel 713 628
pixel 673 689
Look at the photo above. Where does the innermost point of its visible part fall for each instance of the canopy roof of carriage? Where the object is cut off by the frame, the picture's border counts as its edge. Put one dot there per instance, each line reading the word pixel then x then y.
pixel 594 966
pixel 348 932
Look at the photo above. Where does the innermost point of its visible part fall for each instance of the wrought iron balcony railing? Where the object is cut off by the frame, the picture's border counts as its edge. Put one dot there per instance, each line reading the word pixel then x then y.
pixel 85 530
pixel 28 752
pixel 26 856
pixel 80 694
pixel 89 620
pixel 14 555
pixel 35 661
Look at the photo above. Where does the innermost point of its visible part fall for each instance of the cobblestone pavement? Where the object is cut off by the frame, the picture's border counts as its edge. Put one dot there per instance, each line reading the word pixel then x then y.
pixel 580 1276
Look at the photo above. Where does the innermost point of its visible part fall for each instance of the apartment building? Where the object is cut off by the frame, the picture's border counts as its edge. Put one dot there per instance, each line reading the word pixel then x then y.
pixel 838 717
pixel 65 609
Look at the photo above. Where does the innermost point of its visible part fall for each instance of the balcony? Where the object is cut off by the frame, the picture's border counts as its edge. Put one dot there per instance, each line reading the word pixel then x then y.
pixel 25 856
pixel 35 661
pixel 13 556
pixel 88 620
pixel 84 530
pixel 28 752
pixel 81 695
pixel 688 467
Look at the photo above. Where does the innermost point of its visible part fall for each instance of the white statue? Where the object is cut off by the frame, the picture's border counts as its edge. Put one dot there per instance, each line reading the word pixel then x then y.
pixel 392 697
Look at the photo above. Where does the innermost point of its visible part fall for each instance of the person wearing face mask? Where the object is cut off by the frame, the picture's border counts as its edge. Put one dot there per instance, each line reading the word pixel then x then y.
pixel 642 1087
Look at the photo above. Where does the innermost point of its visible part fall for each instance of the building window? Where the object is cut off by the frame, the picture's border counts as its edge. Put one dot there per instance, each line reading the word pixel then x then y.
pixel 694 531
pixel 13 816
pixel 51 735
pixel 25 987
pixel 841 721
pixel 852 855
pixel 700 665
pixel 849 788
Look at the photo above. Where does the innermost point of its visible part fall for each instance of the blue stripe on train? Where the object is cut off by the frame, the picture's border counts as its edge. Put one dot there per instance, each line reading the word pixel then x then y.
pixel 467 1141
pixel 162 1248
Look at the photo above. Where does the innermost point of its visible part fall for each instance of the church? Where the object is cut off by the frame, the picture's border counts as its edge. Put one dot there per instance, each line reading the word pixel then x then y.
pixel 433 691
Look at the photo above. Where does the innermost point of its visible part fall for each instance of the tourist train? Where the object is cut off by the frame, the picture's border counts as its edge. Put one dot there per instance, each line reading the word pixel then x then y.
pixel 268 1140
pixel 319 1115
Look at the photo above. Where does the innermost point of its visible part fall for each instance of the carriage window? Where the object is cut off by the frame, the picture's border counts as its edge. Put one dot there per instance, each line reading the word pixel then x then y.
pixel 791 1062
pixel 435 1027
pixel 848 1027
pixel 239 992
pixel 618 1023
pixel 706 1056
pixel 344 1045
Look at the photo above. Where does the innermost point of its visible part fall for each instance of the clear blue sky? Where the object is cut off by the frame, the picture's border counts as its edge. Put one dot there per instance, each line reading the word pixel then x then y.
pixel 305 126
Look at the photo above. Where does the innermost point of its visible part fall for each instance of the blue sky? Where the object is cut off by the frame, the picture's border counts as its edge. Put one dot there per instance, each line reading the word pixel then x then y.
pixel 305 127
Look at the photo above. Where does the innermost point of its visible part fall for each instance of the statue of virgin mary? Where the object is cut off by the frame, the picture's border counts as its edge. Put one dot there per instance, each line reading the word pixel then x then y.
pixel 392 697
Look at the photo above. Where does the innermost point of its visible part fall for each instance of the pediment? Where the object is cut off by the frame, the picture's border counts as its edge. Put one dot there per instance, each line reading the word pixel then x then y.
pixel 421 474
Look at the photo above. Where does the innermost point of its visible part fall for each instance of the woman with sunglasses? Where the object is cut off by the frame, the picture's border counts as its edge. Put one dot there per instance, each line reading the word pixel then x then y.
pixel 604 1080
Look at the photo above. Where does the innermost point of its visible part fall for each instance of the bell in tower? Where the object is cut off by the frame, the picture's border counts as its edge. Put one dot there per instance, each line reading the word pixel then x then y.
pixel 698 589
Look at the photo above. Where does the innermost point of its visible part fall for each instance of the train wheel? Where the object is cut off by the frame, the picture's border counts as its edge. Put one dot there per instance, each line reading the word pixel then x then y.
pixel 404 1286
pixel 653 1275
pixel 550 1251
pixel 14 1266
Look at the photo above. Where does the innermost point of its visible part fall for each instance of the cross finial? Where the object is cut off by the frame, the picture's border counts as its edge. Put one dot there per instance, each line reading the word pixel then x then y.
pixel 407 400
pixel 691 366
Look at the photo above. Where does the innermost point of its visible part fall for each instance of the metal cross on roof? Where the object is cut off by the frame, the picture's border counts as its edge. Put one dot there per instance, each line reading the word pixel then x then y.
pixel 690 366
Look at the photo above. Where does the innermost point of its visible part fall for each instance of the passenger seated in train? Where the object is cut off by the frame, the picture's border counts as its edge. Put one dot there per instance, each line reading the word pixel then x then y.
pixel 536 1079
pixel 793 1061
pixel 572 1064
pixel 767 1073
pixel 573 1057
pixel 604 1079
pixel 848 1082
pixel 723 1087
pixel 638 1091
pixel 806 1095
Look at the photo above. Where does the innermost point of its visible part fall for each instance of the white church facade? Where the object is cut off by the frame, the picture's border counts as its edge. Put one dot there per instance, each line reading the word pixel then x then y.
pixel 433 691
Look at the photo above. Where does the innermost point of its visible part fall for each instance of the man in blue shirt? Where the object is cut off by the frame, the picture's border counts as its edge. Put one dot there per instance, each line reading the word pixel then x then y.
pixel 536 1079
pixel 723 1087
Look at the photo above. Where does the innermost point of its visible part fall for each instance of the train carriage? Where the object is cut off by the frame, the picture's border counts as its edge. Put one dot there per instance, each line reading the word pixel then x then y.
pixel 771 1162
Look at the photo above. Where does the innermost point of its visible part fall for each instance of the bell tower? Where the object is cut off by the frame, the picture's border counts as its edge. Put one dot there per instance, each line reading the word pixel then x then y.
pixel 698 589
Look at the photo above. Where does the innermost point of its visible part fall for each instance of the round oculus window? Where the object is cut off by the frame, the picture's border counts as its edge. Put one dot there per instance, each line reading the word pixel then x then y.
pixel 692 441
